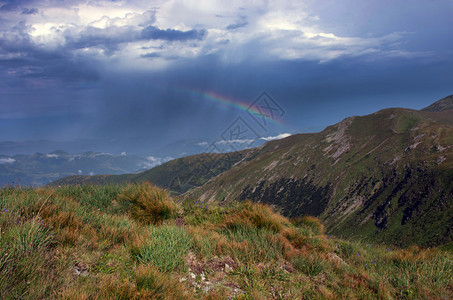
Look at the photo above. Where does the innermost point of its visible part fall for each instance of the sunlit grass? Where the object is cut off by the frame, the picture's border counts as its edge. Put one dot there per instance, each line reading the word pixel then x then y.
pixel 135 241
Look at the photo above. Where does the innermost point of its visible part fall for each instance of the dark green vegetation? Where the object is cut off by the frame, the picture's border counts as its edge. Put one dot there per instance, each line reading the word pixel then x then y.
pixel 384 177
pixel 136 242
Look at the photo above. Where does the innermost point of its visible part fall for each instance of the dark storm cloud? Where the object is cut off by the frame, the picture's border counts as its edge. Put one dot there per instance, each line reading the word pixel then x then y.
pixel 237 25
pixel 29 11
pixel 241 22
pixel 154 33
pixel 112 37
pixel 14 5
pixel 62 64
pixel 109 38
pixel 153 55
pixel 28 60
pixel 158 108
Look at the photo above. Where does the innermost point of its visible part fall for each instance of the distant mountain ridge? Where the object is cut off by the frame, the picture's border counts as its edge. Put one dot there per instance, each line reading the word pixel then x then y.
pixel 178 175
pixel 387 176
pixel 38 169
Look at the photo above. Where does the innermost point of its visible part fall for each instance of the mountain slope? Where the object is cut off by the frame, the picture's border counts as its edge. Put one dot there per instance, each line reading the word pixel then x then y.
pixel 386 176
pixel 441 105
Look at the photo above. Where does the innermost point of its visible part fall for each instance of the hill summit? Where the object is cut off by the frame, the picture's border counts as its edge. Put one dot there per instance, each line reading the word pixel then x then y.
pixel 441 105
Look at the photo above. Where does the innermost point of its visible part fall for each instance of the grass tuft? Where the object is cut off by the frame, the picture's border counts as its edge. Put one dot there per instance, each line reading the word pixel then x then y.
pixel 251 244
pixel 255 214
pixel 148 204
pixel 310 222
pixel 153 284
pixel 167 248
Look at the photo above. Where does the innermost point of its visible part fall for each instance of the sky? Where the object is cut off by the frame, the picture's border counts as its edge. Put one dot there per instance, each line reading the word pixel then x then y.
pixel 143 74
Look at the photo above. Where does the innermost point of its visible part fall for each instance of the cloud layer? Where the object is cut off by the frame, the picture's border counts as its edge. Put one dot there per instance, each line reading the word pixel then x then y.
pixel 119 68
pixel 133 31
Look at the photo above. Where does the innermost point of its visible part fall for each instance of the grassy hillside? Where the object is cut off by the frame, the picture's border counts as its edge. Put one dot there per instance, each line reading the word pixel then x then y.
pixel 136 242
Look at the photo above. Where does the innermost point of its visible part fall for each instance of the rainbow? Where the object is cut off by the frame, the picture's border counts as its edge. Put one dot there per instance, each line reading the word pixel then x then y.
pixel 227 102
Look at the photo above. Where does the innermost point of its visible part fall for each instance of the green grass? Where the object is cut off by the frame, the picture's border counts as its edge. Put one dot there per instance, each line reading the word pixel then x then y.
pixel 25 258
pixel 406 122
pixel 98 197
pixel 310 266
pixel 250 244
pixel 86 242
pixel 167 249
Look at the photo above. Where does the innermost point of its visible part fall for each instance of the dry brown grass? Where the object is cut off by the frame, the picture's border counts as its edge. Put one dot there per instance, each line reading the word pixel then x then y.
pixel 294 236
pixel 152 284
pixel 413 254
pixel 112 287
pixel 148 204
pixel 258 215
pixel 310 222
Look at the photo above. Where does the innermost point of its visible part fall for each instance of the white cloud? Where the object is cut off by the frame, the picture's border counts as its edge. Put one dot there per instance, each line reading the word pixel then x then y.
pixel 159 159
pixel 155 161
pixel 238 141
pixel 153 158
pixel 279 29
pixel 277 137
pixel 104 154
pixel 52 155
pixel 202 144
pixel 7 161
pixel 92 14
